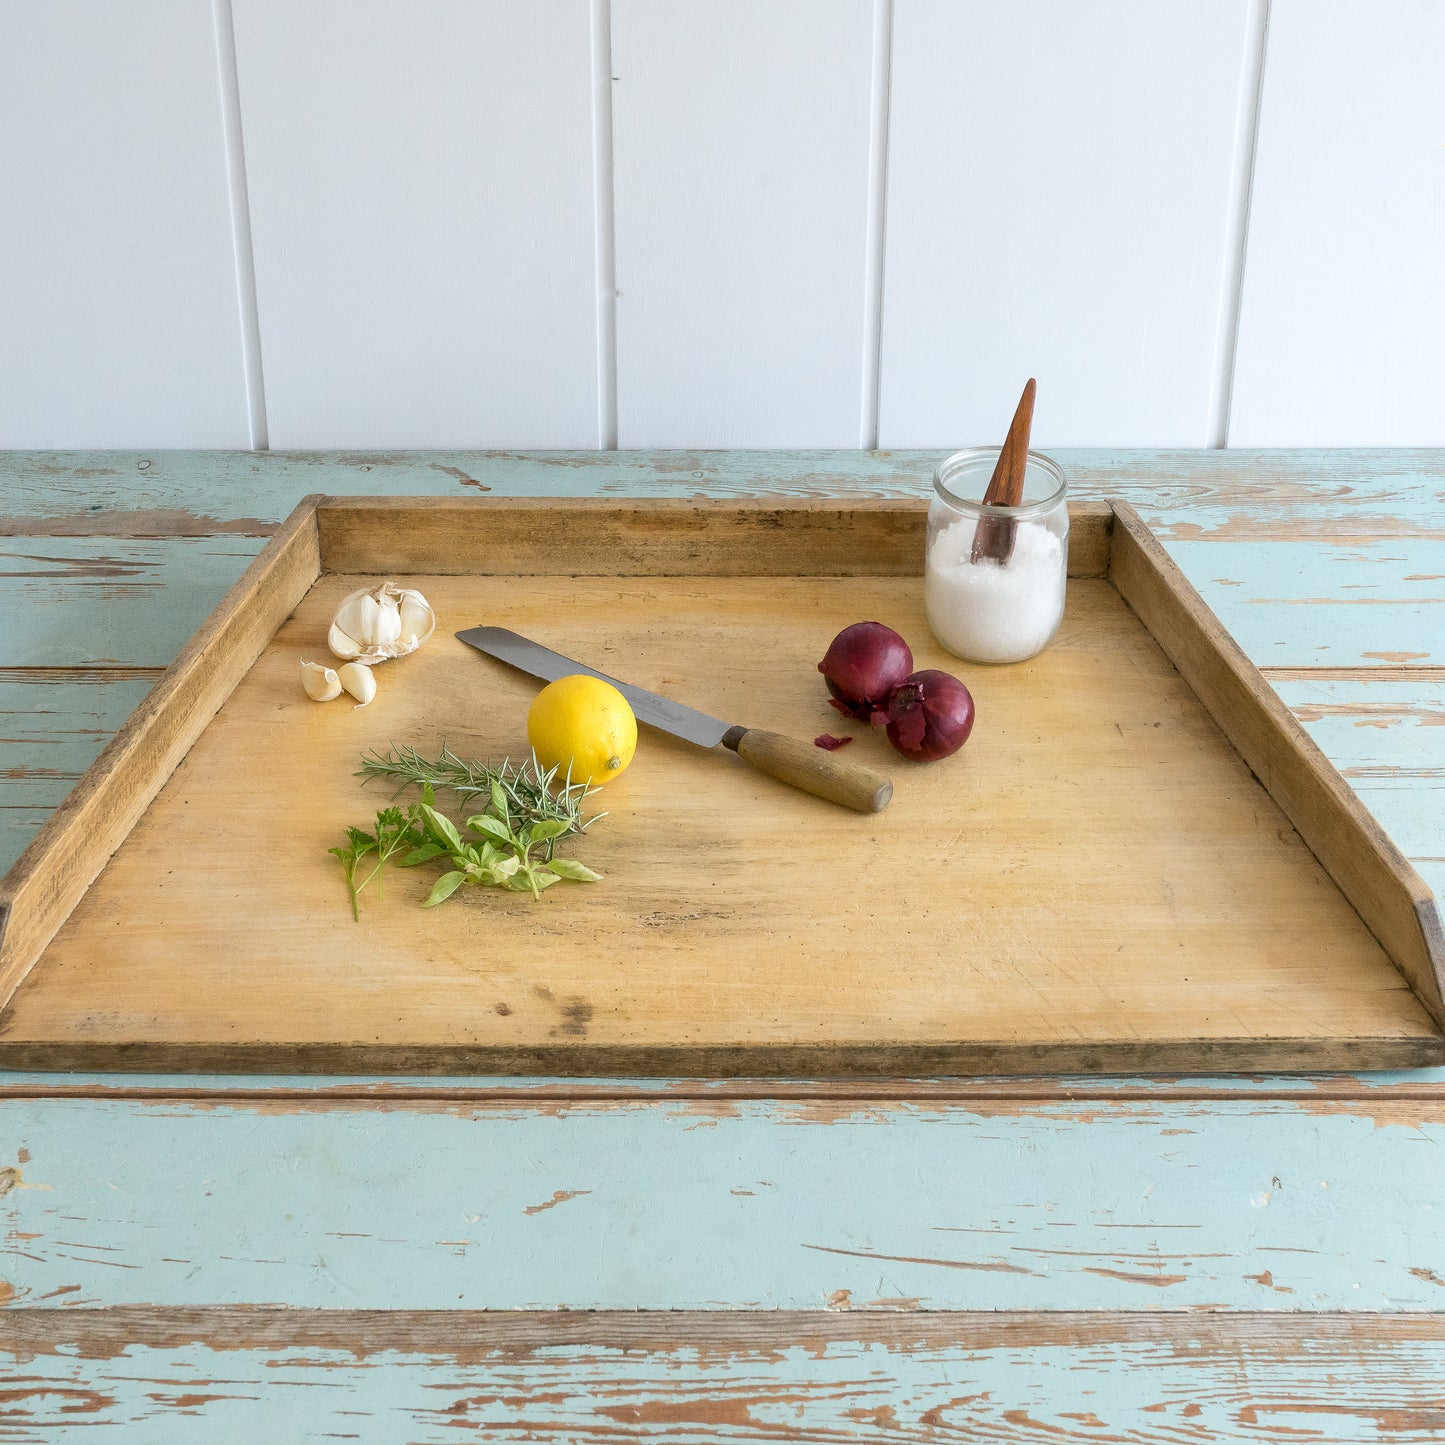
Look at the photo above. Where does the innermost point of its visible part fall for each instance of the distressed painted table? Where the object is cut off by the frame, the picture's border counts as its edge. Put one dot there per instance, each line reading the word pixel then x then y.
pixel 1022 1260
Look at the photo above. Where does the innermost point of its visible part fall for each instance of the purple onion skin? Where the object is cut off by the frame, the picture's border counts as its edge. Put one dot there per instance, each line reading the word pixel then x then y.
pixel 930 716
pixel 862 666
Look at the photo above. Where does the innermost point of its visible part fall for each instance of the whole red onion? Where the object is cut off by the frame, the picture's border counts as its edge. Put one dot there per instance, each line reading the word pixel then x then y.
pixel 862 665
pixel 930 716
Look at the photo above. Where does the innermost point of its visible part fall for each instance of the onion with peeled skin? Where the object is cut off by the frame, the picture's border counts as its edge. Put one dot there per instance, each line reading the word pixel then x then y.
pixel 862 665
pixel 930 716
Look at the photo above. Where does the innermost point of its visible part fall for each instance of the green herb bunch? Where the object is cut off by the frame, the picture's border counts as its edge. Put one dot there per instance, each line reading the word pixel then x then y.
pixel 527 813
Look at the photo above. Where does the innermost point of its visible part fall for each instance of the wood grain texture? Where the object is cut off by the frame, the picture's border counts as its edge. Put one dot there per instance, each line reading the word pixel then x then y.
pixel 741 146
pixel 1277 496
pixel 1346 229
pixel 116 204
pixel 602 537
pixel 697 1380
pixel 67 853
pixel 1057 219
pixel 1319 1200
pixel 1388 893
pixel 654 976
pixel 422 207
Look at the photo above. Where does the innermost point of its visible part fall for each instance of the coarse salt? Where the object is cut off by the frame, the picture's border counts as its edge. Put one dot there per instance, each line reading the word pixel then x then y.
pixel 987 611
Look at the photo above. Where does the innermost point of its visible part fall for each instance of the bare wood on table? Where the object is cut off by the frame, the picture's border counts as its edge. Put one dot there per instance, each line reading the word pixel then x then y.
pixel 850 1375
pixel 737 930
pixel 1386 890
pixel 1393 1101
pixel 70 850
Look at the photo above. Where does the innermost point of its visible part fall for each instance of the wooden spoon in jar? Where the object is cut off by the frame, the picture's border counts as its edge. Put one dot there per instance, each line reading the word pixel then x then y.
pixel 994 536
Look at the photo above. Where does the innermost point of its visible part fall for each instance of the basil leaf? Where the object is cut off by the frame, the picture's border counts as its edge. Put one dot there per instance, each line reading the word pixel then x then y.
pixel 485 824
pixel 570 868
pixel 446 885
pixel 442 828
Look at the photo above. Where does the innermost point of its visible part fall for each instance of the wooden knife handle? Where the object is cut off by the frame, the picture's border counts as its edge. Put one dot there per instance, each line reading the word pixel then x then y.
pixel 805 766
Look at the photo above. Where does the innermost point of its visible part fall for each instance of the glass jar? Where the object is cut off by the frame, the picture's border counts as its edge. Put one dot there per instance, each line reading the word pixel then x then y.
pixel 994 577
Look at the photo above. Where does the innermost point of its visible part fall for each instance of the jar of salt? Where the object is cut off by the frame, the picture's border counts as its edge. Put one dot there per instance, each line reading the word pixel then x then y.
pixel 994 575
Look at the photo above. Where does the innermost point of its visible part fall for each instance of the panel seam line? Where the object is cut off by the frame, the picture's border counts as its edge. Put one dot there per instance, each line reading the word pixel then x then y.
pixel 241 244
pixel 1241 198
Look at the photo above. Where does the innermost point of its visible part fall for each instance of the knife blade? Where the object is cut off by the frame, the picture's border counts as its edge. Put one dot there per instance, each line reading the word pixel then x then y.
pixel 796 763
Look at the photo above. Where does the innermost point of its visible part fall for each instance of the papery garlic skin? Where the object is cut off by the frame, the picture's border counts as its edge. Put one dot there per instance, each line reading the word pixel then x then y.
pixel 357 679
pixel 321 683
pixel 380 622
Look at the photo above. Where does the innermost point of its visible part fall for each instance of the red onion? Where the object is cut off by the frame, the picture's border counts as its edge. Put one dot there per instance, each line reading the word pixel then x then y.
pixel 829 743
pixel 863 664
pixel 930 716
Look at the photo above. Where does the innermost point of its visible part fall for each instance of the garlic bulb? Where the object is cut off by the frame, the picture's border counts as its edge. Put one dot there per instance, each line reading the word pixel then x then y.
pixel 381 622
pixel 356 678
pixel 321 683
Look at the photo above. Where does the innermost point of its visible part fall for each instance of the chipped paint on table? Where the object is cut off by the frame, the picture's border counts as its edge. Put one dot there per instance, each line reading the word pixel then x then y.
pixel 597 1203
pixel 689 1379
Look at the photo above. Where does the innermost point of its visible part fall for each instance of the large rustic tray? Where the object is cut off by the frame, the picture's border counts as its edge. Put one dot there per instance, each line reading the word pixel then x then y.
pixel 1138 862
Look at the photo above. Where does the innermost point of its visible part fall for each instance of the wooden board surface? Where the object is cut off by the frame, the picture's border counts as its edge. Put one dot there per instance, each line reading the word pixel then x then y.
pixel 1095 882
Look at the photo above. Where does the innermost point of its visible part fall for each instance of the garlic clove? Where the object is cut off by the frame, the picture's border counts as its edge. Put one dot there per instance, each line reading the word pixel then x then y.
pixel 357 679
pixel 341 644
pixel 321 683
pixel 418 621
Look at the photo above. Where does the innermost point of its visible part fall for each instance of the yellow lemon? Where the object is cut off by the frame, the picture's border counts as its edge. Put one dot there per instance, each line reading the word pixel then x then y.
pixel 584 722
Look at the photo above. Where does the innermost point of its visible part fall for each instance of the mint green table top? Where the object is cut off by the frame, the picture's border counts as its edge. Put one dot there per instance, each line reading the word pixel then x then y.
pixel 1047 1259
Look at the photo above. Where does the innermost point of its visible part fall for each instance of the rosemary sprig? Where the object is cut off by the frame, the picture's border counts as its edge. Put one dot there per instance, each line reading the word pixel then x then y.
pixel 517 796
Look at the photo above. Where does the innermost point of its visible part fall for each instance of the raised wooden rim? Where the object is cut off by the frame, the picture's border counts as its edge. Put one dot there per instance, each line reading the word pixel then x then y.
pixel 717 538
pixel 66 856
pixel 1392 899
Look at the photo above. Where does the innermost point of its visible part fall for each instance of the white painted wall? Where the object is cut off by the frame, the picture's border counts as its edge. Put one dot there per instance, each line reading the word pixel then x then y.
pixel 703 223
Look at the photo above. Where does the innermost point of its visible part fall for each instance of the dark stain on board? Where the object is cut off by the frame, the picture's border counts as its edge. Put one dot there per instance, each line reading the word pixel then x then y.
pixel 576 1015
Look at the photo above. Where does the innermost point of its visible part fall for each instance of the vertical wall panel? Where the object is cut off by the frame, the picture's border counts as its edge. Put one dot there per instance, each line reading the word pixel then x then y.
pixel 741 133
pixel 1342 326
pixel 119 323
pixel 422 205
pixel 1059 184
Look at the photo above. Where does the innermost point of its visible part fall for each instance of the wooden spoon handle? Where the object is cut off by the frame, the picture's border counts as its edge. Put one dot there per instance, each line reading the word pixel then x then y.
pixel 802 765
pixel 994 536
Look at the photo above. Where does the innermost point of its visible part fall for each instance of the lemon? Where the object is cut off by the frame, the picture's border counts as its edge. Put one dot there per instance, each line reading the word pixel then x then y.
pixel 585 723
